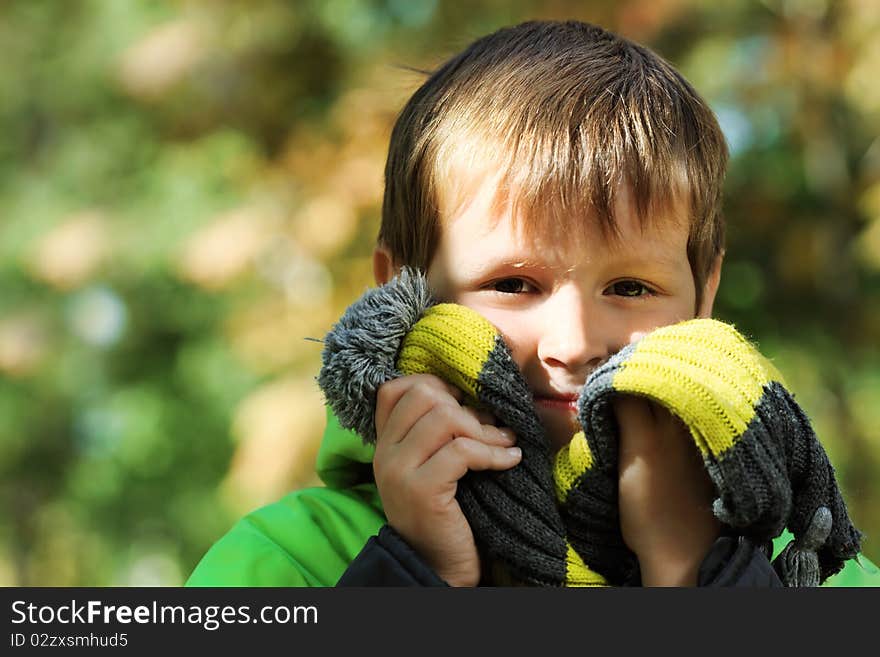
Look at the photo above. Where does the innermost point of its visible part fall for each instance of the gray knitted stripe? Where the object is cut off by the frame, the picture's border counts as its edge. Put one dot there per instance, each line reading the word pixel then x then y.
pixel 775 475
pixel 507 532
pixel 519 502
pixel 751 477
pixel 513 513
pixel 809 471
pixel 591 507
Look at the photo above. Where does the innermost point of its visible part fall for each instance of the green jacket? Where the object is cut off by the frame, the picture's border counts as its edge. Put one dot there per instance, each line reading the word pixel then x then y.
pixel 309 537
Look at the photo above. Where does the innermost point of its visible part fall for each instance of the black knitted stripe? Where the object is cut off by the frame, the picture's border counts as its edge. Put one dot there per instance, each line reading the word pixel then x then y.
pixel 509 500
pixel 812 478
pixel 596 415
pixel 513 513
pixel 751 477
pixel 533 552
pixel 590 511
pixel 594 533
pixel 517 484
pixel 591 508
pixel 502 387
pixel 775 474
pixel 504 391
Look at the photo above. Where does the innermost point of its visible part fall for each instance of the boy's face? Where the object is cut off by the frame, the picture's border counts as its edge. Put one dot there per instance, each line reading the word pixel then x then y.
pixel 564 309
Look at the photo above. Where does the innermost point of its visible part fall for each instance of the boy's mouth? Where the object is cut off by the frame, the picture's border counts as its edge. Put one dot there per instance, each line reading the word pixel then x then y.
pixel 557 402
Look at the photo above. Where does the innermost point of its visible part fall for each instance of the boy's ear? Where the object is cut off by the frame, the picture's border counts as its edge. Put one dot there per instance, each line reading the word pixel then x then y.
pixel 383 264
pixel 710 288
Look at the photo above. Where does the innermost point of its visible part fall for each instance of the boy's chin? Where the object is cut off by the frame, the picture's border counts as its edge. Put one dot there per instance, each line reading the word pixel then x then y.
pixel 560 427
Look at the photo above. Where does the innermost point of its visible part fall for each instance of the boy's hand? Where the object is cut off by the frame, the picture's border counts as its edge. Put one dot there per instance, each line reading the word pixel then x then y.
pixel 426 441
pixel 665 494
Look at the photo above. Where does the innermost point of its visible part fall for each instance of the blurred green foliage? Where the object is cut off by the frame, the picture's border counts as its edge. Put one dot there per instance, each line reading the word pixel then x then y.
pixel 189 189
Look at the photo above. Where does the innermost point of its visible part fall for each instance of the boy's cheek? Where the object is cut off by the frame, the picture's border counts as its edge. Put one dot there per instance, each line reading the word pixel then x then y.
pixel 668 317
pixel 635 336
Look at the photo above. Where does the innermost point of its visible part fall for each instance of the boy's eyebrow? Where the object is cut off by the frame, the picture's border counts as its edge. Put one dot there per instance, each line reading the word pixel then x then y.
pixel 626 260
pixel 655 259
pixel 489 264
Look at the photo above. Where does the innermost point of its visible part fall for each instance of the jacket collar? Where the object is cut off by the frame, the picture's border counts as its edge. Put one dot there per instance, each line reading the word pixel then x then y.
pixel 344 460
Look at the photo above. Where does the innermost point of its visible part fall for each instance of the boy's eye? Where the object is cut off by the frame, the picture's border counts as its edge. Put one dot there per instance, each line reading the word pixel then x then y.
pixel 511 286
pixel 630 289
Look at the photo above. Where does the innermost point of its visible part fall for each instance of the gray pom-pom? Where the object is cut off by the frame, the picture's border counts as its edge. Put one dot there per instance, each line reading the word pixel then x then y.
pixel 360 351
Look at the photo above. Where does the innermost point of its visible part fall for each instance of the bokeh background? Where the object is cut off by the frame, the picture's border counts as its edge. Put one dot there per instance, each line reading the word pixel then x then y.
pixel 190 189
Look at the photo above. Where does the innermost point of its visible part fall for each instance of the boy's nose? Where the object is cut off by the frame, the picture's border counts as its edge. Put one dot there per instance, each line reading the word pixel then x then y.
pixel 574 335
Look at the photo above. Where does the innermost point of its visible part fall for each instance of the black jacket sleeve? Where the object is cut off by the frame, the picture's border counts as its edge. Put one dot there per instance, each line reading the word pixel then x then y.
pixel 388 560
pixel 737 561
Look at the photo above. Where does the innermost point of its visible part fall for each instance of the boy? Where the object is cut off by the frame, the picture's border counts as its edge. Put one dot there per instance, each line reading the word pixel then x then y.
pixel 565 184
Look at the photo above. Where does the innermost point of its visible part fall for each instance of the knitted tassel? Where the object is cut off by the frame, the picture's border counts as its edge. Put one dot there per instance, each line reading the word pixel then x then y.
pixel 360 351
pixel 798 563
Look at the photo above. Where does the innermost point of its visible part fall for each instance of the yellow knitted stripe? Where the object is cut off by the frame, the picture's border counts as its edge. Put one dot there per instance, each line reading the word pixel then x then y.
pixel 577 573
pixel 570 463
pixel 449 341
pixel 679 366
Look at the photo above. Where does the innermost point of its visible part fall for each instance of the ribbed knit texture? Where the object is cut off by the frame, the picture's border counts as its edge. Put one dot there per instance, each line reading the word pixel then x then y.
pixel 554 521
pixel 768 467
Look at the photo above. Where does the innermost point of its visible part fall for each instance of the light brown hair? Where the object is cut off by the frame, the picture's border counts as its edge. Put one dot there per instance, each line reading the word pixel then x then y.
pixel 565 112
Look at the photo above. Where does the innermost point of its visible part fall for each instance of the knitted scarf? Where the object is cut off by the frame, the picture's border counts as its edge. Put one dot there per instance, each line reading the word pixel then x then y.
pixel 552 520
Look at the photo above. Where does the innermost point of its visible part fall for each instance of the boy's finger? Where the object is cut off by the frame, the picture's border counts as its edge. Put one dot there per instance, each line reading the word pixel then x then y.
pixel 500 436
pixel 422 392
pixel 482 416
pixel 453 460
pixel 635 422
pixel 433 431
pixel 631 411
pixel 638 415
pixel 503 435
pixel 651 434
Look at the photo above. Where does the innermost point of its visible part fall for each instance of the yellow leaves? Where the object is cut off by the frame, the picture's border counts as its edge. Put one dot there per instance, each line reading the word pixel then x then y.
pixel 868 244
pixel 860 84
pixel 860 25
pixel 358 178
pixel 23 344
pixel 271 335
pixel 278 428
pixel 7 574
pixel 225 249
pixel 805 253
pixel 72 252
pixel 165 56
pixel 325 225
